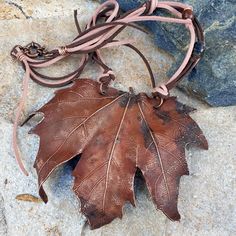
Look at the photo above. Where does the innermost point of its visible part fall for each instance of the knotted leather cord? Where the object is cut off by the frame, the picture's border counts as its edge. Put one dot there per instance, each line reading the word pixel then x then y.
pixel 101 35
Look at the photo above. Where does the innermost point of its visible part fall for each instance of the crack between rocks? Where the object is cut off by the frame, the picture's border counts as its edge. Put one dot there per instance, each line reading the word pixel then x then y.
pixel 165 227
pixel 20 8
pixel 217 25
pixel 3 221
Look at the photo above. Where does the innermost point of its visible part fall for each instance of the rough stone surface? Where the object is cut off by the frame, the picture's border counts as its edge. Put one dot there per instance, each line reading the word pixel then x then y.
pixel 207 197
pixel 214 79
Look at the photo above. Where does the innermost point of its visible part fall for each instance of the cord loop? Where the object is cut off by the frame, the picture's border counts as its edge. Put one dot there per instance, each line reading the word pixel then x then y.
pixel 152 6
pixel 18 54
pixel 105 80
pixel 161 91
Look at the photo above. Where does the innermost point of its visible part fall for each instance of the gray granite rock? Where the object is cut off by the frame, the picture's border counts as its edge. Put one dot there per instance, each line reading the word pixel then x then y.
pixel 213 80
pixel 207 197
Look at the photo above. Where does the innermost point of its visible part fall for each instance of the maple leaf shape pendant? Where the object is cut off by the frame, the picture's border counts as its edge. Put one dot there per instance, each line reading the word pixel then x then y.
pixel 116 133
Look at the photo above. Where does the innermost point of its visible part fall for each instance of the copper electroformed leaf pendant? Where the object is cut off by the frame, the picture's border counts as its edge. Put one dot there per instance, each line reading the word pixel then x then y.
pixel 116 133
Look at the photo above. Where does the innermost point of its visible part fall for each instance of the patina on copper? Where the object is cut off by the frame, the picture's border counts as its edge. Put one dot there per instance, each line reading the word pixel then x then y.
pixel 116 134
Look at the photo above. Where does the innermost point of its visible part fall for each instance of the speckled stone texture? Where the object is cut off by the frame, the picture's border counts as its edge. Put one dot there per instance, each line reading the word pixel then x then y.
pixel 207 197
pixel 213 80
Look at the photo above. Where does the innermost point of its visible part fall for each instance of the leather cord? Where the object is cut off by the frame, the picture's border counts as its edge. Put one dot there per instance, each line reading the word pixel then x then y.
pixel 97 36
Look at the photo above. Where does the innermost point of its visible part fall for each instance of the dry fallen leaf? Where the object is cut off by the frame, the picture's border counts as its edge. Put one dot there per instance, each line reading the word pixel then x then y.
pixel 28 198
pixel 117 134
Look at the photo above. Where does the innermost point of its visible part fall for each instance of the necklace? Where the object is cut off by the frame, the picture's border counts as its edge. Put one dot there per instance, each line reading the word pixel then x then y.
pixel 115 132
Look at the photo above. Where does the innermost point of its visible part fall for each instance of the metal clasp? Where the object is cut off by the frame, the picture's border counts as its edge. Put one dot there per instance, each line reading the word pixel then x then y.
pixel 34 50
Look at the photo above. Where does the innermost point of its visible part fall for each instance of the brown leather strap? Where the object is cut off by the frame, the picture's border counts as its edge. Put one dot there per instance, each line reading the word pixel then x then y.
pixel 100 29
pixel 198 51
